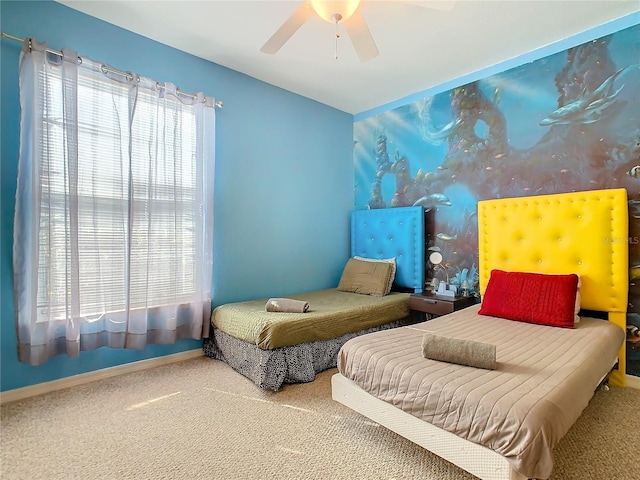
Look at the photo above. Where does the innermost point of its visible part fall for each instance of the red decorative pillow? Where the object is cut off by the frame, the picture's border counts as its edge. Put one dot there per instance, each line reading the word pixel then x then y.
pixel 531 297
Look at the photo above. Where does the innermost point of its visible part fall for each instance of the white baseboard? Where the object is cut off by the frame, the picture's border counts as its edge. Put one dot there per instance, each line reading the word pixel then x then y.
pixel 75 380
pixel 632 381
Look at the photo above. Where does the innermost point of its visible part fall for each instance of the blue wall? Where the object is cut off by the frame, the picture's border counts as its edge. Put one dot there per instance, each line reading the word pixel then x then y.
pixel 284 175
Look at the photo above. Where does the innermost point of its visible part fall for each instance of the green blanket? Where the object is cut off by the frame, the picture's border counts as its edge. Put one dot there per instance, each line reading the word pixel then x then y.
pixel 332 313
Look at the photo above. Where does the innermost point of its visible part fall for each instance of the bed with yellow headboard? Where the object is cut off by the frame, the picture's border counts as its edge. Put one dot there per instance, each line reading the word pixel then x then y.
pixel 502 421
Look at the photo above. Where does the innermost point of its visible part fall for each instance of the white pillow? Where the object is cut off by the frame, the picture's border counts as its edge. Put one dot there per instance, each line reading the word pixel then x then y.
pixel 392 261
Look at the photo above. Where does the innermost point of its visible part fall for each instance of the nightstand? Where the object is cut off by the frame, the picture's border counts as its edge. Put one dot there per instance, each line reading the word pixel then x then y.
pixel 434 305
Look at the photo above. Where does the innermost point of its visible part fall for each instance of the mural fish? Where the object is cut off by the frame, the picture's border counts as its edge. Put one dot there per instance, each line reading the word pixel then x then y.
pixel 634 172
pixel 446 238
pixel 433 200
pixel 589 107
pixel 496 96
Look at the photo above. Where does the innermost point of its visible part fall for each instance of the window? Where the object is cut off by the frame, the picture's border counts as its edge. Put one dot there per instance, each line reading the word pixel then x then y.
pixel 123 172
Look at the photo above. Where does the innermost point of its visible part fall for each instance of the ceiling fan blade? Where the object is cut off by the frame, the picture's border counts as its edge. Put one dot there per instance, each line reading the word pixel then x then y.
pixel 361 37
pixel 288 28
pixel 445 5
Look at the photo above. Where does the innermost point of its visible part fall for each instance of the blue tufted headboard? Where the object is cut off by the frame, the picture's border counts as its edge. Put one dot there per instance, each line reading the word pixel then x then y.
pixel 392 232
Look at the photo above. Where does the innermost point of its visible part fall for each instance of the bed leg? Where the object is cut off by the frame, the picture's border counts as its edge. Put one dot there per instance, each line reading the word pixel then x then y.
pixel 604 384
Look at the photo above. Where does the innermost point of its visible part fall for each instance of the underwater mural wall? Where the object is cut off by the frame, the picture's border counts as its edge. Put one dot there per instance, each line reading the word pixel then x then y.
pixel 566 122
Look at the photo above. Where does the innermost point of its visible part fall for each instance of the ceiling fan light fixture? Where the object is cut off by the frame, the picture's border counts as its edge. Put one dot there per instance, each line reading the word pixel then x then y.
pixel 335 11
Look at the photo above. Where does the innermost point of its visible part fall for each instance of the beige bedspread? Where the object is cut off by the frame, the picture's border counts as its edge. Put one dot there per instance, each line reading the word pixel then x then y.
pixel 544 379
pixel 331 314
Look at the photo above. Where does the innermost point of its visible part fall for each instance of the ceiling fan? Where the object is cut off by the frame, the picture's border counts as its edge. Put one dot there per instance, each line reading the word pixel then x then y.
pixel 346 13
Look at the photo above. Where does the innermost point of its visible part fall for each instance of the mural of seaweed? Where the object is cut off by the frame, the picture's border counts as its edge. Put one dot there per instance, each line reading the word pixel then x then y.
pixel 566 122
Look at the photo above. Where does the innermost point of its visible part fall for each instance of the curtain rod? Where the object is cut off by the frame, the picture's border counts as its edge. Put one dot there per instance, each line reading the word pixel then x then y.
pixel 107 68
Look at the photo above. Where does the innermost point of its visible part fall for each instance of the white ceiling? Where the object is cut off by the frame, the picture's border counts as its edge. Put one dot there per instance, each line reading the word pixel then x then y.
pixel 420 47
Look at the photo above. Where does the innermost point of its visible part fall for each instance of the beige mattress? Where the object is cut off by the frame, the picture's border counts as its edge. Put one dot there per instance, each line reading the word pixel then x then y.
pixel 544 379
pixel 331 314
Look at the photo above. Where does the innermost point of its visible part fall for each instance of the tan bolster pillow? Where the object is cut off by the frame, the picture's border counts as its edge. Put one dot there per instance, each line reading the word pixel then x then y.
pixel 288 305
pixel 457 350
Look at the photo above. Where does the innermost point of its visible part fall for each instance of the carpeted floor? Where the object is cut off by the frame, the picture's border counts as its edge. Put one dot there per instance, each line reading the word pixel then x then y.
pixel 200 420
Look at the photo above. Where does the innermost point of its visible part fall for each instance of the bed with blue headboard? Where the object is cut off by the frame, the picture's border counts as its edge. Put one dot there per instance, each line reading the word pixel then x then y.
pixel 271 348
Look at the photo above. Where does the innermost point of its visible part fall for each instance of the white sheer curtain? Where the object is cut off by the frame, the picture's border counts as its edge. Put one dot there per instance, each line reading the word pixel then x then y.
pixel 113 230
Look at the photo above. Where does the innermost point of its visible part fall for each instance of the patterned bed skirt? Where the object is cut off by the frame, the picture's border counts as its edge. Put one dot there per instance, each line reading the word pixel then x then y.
pixel 269 369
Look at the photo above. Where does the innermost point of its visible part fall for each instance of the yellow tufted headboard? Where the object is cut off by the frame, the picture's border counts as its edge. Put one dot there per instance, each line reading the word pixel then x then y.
pixel 581 232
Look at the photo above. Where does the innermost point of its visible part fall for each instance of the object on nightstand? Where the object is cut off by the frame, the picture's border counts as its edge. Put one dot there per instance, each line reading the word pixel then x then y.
pixel 465 287
pixel 446 290
pixel 434 285
pixel 443 289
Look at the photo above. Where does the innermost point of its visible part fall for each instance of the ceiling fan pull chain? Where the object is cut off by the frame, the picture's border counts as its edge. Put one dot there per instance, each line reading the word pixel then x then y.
pixel 336 19
pixel 337 37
